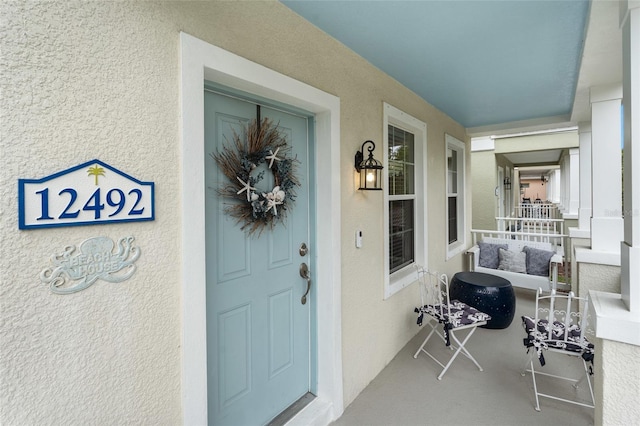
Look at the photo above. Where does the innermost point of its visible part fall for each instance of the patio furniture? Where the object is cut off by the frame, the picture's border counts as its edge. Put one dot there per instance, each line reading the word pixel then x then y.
pixel 542 259
pixel 559 326
pixel 438 309
pixel 488 293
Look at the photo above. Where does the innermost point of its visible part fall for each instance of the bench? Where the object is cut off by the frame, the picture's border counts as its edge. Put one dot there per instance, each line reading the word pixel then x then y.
pixel 518 279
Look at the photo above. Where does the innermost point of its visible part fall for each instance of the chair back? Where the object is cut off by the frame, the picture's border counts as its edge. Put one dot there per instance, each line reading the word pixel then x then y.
pixel 563 320
pixel 434 291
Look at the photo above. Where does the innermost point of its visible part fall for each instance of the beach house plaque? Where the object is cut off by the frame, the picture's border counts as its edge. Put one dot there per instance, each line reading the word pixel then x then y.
pixel 99 258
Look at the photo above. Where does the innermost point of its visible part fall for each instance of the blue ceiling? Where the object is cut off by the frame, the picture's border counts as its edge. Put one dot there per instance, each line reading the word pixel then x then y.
pixel 481 62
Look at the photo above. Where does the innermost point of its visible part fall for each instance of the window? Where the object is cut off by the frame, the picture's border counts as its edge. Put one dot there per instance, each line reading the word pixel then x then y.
pixel 455 196
pixel 405 141
pixel 402 197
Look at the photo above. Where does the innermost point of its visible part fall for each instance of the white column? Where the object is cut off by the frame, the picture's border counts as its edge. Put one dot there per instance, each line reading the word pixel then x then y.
pixel 574 181
pixel 606 177
pixel 584 210
pixel 556 186
pixel 630 247
pixel 561 185
pixel 617 316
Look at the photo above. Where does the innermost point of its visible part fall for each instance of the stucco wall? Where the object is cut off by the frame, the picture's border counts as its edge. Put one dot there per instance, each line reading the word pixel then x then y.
pixel 483 170
pixel 594 276
pixel 535 190
pixel 617 375
pixel 84 80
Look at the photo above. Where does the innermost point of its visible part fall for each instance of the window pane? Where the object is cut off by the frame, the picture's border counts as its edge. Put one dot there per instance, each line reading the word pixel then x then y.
pixel 452 171
pixel 453 219
pixel 401 234
pixel 400 161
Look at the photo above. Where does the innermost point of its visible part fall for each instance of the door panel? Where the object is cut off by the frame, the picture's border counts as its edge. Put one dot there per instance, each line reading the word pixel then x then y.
pixel 257 328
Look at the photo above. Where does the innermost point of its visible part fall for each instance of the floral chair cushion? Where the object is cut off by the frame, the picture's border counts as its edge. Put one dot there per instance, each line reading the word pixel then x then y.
pixel 543 336
pixel 461 314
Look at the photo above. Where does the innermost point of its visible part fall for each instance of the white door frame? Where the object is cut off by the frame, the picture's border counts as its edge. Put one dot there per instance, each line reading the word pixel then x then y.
pixel 199 61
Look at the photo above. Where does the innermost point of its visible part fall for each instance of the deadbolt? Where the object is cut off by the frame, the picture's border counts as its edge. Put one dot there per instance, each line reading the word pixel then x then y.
pixel 303 249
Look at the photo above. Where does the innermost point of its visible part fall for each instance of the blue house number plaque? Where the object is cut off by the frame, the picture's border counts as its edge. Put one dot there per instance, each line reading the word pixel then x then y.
pixel 88 194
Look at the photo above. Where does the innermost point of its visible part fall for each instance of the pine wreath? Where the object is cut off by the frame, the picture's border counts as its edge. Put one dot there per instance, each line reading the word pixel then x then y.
pixel 260 143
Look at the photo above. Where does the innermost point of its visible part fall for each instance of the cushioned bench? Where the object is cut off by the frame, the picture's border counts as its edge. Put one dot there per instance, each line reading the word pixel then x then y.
pixel 526 264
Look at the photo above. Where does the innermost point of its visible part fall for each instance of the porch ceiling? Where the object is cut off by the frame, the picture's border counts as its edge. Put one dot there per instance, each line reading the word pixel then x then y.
pixel 530 158
pixel 493 66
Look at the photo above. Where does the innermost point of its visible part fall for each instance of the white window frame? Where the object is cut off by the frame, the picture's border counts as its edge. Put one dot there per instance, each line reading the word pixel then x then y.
pixel 400 279
pixel 458 246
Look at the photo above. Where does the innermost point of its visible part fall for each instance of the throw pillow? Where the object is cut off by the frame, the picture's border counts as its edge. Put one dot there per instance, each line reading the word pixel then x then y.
pixel 489 255
pixel 538 261
pixel 513 261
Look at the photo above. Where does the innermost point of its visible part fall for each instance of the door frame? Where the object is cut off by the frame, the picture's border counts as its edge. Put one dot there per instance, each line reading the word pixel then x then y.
pixel 202 61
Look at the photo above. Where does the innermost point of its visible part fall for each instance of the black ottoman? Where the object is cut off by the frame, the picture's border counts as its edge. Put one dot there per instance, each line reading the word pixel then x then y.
pixel 488 293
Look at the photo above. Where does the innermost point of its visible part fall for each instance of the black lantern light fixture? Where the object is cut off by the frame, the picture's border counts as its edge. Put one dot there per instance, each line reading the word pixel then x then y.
pixel 507 183
pixel 370 170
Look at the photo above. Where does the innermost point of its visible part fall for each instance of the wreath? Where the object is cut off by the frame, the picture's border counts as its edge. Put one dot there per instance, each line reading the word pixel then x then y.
pixel 261 143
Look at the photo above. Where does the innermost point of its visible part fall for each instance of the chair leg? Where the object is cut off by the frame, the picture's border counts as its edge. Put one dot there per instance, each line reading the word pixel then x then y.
pixel 586 376
pixel 535 387
pixel 532 354
pixel 460 348
pixel 433 329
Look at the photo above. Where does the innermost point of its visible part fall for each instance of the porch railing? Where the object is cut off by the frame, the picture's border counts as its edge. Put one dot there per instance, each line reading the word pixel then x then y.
pixel 528 224
pixel 537 211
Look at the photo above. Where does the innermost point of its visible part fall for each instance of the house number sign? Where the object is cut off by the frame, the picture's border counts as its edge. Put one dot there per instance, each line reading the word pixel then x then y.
pixel 88 194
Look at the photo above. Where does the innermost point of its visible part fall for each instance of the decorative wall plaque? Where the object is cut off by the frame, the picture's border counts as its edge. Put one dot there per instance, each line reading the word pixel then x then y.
pixel 88 194
pixel 95 260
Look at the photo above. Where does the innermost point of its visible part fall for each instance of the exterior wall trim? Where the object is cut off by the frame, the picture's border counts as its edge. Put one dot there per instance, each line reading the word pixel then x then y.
pixel 199 61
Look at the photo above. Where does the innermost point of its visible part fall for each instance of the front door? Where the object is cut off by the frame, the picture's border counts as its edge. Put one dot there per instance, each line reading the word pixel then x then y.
pixel 258 331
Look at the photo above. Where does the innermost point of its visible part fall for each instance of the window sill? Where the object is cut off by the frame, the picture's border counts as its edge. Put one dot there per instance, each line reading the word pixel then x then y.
pixel 454 250
pixel 399 280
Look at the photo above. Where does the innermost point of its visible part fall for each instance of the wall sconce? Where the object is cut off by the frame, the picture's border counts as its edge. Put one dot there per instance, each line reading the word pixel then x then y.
pixel 507 183
pixel 370 169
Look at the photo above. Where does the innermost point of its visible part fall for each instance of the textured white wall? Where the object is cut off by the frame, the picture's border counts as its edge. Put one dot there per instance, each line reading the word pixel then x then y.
pixel 84 80
pixel 617 375
pixel 594 276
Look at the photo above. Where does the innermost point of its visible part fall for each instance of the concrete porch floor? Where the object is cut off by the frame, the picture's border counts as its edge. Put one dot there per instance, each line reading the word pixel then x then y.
pixel 407 391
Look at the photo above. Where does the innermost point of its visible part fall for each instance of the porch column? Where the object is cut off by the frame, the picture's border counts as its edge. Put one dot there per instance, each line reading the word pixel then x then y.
pixel 556 186
pixel 573 184
pixel 630 247
pixel 606 178
pixel 617 316
pixel 584 209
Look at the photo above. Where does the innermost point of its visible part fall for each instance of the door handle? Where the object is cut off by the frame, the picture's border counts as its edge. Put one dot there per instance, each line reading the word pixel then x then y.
pixel 304 273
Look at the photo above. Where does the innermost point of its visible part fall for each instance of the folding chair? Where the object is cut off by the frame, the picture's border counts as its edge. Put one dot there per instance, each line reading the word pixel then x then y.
pixel 559 326
pixel 454 316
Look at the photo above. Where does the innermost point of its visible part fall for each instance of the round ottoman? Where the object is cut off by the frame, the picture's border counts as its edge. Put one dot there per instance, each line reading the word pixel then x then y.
pixel 488 293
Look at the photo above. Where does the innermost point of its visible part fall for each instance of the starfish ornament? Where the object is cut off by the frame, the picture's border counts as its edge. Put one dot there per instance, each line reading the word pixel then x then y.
pixel 272 157
pixel 246 187
pixel 272 203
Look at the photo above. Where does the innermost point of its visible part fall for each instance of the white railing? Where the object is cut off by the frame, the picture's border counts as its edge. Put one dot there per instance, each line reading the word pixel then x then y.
pixel 532 225
pixel 537 211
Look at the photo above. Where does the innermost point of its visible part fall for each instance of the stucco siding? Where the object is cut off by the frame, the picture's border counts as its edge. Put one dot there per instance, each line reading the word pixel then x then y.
pixel 483 169
pixel 598 277
pixel 617 375
pixel 85 80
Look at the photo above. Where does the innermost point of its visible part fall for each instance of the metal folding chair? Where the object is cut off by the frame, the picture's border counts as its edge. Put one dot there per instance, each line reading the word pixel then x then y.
pixel 559 326
pixel 453 316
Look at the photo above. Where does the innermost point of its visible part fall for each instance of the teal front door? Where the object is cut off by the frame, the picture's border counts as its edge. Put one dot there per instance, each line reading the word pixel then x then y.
pixel 258 331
